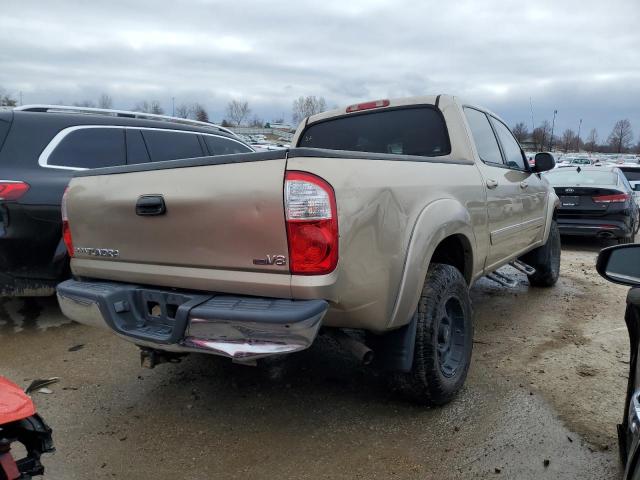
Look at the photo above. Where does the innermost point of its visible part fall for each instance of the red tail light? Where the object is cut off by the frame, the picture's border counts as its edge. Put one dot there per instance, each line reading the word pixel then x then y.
pixel 66 231
pixel 11 190
pixel 312 224
pixel 367 105
pixel 617 198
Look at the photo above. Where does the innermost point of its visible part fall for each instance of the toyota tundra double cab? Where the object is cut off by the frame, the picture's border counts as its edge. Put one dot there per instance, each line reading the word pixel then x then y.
pixel 372 227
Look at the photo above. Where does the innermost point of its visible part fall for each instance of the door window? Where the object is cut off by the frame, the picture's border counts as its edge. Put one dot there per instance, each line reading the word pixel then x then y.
pixel 512 151
pixel 168 145
pixel 483 136
pixel 136 149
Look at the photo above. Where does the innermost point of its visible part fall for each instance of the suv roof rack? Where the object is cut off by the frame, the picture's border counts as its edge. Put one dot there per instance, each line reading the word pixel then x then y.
pixel 120 113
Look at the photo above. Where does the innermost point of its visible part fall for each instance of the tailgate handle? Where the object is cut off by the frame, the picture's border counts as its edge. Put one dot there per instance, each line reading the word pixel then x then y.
pixel 149 205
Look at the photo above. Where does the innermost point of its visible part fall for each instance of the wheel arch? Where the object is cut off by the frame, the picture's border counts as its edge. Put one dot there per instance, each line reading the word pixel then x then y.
pixel 443 232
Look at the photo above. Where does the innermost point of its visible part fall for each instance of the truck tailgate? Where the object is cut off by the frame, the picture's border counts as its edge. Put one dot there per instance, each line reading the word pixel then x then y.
pixel 220 214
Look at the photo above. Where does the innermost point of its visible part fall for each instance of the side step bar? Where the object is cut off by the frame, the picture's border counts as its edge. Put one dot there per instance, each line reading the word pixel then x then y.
pixel 523 267
pixel 508 281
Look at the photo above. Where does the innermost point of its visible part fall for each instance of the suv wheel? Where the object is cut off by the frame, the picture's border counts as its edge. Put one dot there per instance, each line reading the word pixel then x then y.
pixel 444 339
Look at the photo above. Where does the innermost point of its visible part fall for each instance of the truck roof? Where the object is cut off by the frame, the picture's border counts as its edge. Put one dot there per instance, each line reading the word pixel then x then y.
pixel 440 100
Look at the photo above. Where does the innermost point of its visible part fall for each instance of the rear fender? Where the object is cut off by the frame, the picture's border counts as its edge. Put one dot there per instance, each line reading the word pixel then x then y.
pixel 437 221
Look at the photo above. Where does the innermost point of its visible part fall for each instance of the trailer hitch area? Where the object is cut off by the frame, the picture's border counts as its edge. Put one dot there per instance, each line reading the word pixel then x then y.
pixel 150 357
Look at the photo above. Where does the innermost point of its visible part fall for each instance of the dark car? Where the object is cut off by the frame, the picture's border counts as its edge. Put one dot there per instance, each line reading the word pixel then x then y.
pixel 621 264
pixel 595 201
pixel 40 149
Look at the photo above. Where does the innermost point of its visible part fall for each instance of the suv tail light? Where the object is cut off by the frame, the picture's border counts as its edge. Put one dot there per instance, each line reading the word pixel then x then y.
pixel 66 231
pixel 12 190
pixel 312 224
pixel 617 198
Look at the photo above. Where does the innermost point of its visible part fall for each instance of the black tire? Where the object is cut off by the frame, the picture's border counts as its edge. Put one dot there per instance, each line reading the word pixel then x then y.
pixel 546 260
pixel 441 358
pixel 626 239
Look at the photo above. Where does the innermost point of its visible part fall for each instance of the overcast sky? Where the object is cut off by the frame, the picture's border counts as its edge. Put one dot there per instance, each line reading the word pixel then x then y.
pixel 581 57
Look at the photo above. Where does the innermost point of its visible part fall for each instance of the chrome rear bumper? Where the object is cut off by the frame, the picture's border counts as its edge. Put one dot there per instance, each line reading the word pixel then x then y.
pixel 241 328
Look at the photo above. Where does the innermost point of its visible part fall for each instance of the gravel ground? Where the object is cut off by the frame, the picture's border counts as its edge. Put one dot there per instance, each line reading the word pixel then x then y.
pixel 547 384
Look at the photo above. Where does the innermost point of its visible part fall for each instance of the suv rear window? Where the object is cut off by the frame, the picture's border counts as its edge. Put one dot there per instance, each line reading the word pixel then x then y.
pixel 90 148
pixel 167 145
pixel 571 176
pixel 419 131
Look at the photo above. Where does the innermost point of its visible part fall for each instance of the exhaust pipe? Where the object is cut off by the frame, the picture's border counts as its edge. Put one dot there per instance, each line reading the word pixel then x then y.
pixel 607 235
pixel 358 349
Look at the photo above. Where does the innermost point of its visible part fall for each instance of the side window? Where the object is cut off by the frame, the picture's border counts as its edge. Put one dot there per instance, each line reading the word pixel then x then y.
pixel 90 148
pixel 167 145
pixel 223 146
pixel 511 147
pixel 136 149
pixel 483 136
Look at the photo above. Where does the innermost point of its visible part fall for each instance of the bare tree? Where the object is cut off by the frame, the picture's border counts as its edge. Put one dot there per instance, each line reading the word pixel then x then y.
pixel 256 122
pixel 85 103
pixel 568 139
pixel 541 135
pixel 183 111
pixel 621 135
pixel 200 113
pixel 156 108
pixel 6 100
pixel 237 111
pixel 592 141
pixel 304 107
pixel 142 107
pixel 105 101
pixel 521 132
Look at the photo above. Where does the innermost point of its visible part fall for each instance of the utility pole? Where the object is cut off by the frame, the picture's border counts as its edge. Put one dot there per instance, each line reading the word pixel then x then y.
pixel 173 106
pixel 20 97
pixel 533 125
pixel 578 141
pixel 553 125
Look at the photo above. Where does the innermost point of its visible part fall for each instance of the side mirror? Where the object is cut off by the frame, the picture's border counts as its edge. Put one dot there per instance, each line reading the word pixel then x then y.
pixel 620 264
pixel 544 161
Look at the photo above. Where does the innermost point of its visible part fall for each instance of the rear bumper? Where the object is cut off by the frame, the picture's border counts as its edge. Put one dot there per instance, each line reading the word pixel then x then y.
pixel 241 328
pixel 598 227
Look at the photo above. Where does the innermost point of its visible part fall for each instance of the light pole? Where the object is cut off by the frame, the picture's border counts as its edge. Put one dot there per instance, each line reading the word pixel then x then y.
pixel 553 125
pixel 173 106
pixel 578 141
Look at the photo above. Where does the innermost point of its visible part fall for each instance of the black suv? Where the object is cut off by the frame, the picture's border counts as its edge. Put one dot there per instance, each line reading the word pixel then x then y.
pixel 42 146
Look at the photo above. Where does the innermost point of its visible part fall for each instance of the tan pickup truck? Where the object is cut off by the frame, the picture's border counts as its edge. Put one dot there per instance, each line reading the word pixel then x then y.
pixel 377 220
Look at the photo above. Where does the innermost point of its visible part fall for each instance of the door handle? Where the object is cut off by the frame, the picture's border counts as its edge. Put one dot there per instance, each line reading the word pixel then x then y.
pixel 491 184
pixel 524 185
pixel 149 205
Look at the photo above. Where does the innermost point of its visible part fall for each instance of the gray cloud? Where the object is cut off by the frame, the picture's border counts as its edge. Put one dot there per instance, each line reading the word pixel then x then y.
pixel 580 57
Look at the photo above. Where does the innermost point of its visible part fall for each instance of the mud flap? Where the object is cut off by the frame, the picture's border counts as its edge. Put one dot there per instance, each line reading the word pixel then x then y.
pixel 394 350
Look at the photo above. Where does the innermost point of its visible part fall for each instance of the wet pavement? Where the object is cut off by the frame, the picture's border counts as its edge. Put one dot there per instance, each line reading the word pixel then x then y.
pixel 544 393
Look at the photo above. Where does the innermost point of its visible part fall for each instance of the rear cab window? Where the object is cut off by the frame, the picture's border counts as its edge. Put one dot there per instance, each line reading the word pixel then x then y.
pixel 170 145
pixel 418 131
pixel 90 148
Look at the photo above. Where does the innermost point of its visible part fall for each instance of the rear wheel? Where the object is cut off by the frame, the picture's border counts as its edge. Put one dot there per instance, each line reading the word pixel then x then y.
pixel 444 339
pixel 546 260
